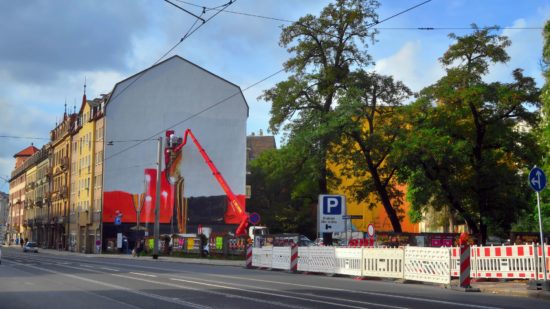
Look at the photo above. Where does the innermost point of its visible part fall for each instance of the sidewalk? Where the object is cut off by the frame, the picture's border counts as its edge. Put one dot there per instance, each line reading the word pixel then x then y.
pixel 508 288
pixel 204 261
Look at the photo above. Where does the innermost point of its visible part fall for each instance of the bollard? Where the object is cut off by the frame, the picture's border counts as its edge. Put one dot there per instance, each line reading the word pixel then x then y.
pixel 249 256
pixel 294 258
pixel 465 266
pixel 464 284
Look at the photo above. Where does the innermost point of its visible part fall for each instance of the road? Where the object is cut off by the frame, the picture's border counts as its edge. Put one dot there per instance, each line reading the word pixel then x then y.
pixel 43 280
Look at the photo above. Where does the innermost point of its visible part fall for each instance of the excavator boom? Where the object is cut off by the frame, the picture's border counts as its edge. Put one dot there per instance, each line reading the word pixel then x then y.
pixel 233 201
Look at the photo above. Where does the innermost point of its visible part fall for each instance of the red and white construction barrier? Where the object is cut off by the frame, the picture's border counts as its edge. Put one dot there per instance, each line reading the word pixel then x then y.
pixel 503 262
pixel 294 258
pixel 465 266
pixel 249 257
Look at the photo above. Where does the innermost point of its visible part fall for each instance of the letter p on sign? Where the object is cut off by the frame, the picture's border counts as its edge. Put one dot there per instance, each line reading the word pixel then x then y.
pixel 332 205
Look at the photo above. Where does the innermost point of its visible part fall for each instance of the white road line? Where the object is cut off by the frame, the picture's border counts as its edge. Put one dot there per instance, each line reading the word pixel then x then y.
pixel 118 287
pixel 332 298
pixel 427 300
pixel 250 299
pixel 110 269
pixel 86 265
pixel 87 292
pixel 363 292
pixel 284 296
pixel 142 274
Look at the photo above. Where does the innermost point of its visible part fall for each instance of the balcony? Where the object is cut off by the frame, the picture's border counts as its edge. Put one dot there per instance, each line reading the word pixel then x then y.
pixel 63 192
pixel 65 163
pixel 39 203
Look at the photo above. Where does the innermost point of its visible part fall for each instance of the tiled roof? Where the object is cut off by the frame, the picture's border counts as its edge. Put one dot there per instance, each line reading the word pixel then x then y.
pixel 258 144
pixel 27 152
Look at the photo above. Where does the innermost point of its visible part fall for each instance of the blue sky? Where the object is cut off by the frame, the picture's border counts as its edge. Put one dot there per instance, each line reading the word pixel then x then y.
pixel 49 47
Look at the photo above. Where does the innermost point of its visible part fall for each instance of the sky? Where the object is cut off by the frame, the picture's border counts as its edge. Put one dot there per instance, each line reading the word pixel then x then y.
pixel 49 47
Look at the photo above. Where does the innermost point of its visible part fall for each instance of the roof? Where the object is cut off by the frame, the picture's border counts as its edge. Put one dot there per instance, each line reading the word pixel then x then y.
pixel 258 143
pixel 112 97
pixel 27 152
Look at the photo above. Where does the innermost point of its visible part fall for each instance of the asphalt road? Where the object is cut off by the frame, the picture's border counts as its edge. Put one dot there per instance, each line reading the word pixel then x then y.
pixel 42 280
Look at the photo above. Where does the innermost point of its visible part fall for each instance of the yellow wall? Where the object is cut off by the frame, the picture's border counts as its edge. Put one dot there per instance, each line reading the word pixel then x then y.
pixel 83 163
pixel 373 212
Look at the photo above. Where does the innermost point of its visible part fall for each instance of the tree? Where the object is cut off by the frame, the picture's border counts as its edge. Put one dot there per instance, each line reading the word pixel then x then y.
pixel 371 122
pixel 325 50
pixel 529 219
pixel 283 192
pixel 471 138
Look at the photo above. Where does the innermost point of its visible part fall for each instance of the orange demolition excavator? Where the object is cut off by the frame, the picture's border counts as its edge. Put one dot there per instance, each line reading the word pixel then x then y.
pixel 173 158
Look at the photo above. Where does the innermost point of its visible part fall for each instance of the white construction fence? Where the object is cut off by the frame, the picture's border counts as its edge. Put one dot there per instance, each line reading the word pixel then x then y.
pixel 436 265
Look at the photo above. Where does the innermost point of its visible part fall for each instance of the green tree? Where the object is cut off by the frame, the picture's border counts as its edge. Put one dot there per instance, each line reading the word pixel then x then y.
pixel 283 193
pixel 325 49
pixel 470 140
pixel 529 220
pixel 371 120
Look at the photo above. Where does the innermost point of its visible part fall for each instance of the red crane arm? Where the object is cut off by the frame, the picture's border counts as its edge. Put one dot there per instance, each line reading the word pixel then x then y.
pixel 237 207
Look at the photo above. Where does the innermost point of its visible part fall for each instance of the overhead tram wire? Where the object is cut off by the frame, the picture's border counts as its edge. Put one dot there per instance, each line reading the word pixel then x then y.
pixel 229 97
pixel 373 25
pixel 183 38
pixel 189 32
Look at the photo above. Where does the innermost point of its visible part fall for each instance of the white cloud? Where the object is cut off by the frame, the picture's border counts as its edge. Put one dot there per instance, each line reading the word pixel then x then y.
pixel 410 66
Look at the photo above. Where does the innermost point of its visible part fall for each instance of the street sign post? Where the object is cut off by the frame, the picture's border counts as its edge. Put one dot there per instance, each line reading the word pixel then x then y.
pixel 330 213
pixel 537 181
pixel 349 218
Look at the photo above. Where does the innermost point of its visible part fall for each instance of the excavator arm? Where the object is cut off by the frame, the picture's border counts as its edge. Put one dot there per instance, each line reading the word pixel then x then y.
pixel 233 201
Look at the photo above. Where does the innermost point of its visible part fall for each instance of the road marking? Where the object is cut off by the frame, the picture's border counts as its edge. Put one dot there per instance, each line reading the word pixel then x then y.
pixel 332 298
pixel 141 293
pixel 273 303
pixel 142 274
pixel 284 296
pixel 362 292
pixel 86 265
pixel 435 301
pixel 110 269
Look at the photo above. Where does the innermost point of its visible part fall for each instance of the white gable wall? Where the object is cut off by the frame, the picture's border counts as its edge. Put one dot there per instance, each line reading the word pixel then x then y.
pixel 161 97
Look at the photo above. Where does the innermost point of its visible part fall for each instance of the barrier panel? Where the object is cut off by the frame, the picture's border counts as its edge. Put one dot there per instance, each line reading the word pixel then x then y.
pixel 428 264
pixel 303 259
pixel 261 257
pixel 510 262
pixel 539 270
pixel 322 259
pixel 281 258
pixel 455 261
pixel 349 261
pixel 383 262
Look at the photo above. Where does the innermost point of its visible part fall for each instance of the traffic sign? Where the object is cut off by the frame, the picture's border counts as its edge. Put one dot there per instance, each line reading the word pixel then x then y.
pixel 537 179
pixel 370 230
pixel 331 211
pixel 349 217
pixel 254 218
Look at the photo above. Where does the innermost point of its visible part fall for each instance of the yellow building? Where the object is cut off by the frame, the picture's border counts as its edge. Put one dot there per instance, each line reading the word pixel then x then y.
pixel 17 196
pixel 42 196
pixel 372 210
pixel 84 225
pixel 30 198
pixel 98 112
pixel 60 162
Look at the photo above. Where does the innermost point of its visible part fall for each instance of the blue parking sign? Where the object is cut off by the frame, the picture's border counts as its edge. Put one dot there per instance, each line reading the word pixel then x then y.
pixel 332 205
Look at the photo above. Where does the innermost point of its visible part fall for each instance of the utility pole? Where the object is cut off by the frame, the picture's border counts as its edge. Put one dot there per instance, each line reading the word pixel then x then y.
pixel 157 203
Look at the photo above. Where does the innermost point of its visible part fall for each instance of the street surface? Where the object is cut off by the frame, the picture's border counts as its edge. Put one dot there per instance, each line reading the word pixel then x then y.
pixel 44 280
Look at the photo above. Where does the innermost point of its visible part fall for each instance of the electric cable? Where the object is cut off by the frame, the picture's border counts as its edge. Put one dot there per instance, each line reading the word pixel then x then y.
pixel 370 25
